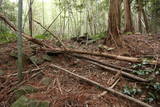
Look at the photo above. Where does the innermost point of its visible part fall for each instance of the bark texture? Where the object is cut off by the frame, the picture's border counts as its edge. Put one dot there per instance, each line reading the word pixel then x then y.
pixel 114 22
pixel 128 18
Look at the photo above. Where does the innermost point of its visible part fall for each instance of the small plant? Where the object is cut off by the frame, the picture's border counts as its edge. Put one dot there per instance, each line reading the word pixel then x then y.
pixel 99 36
pixel 151 97
pixel 143 72
pixel 40 36
pixel 7 37
pixel 131 91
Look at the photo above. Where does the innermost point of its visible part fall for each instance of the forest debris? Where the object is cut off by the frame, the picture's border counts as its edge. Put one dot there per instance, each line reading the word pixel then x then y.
pixel 100 62
pixel 50 48
pixel 46 81
pixel 23 101
pixel 122 72
pixel 23 90
pixel 36 60
pixel 101 86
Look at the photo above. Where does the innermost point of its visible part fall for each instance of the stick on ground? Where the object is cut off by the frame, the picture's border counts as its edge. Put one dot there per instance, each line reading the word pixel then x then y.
pixel 101 86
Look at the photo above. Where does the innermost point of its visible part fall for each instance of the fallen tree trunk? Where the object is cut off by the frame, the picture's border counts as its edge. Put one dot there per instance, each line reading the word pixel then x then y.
pixel 107 55
pixel 113 68
pixel 50 48
pixel 28 37
pixel 102 63
pixel 102 87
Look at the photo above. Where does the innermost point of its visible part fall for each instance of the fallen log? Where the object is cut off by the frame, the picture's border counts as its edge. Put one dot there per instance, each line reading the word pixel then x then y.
pixel 28 37
pixel 101 86
pixel 50 48
pixel 107 55
pixel 112 68
pixel 131 76
pixel 102 63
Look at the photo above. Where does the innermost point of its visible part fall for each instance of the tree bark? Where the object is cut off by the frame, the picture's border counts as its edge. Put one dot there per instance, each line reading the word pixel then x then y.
pixel 30 17
pixel 139 15
pixel 128 18
pixel 114 22
pixel 1 1
pixel 145 21
pixel 20 41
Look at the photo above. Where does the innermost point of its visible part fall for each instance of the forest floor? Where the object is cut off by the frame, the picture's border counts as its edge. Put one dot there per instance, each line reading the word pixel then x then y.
pixel 63 90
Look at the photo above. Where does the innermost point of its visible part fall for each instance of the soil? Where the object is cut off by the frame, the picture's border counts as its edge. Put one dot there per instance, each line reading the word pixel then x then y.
pixel 68 91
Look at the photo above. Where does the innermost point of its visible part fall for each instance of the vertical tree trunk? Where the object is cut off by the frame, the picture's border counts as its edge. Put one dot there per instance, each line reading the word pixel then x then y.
pixel 139 15
pixel 1 1
pixel 128 18
pixel 30 17
pixel 114 22
pixel 145 21
pixel 19 40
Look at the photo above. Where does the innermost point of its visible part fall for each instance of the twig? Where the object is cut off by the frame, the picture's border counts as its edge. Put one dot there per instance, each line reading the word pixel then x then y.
pixel 26 72
pixel 115 83
pixel 101 86
pixel 60 89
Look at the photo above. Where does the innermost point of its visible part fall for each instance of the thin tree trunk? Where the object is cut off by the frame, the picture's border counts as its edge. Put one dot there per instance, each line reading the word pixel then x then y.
pixel 128 18
pixel 139 15
pixel 19 40
pixel 30 17
pixel 1 1
pixel 145 21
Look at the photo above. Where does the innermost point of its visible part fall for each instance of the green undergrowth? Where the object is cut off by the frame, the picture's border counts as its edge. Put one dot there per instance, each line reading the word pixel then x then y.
pixel 7 37
pixel 98 36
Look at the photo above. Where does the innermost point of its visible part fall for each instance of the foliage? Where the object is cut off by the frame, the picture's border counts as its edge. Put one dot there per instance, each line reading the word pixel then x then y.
pixel 7 37
pixel 99 36
pixel 151 97
pixel 40 36
pixel 131 91
pixel 143 72
pixel 154 93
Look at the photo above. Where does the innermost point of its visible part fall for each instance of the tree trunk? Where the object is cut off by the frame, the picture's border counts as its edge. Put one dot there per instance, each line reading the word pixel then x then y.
pixel 128 18
pixel 114 22
pixel 30 17
pixel 1 1
pixel 145 21
pixel 139 15
pixel 19 40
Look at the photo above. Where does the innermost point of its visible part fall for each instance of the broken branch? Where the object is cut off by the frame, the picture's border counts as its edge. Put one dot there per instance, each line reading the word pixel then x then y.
pixel 101 86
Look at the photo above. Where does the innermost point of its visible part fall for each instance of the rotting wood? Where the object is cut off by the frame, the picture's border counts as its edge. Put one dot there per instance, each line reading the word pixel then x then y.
pixel 52 49
pixel 101 86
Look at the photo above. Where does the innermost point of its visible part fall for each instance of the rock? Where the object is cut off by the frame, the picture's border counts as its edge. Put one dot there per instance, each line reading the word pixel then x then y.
pixel 24 90
pixel 46 81
pixel 47 58
pixel 36 60
pixel 25 58
pixel 26 102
